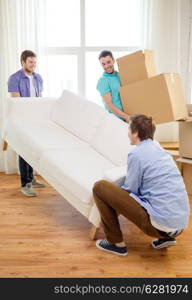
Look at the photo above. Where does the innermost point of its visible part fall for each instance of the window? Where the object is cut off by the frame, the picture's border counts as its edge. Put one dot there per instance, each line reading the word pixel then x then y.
pixel 62 73
pixel 75 33
pixel 62 23
pixel 113 23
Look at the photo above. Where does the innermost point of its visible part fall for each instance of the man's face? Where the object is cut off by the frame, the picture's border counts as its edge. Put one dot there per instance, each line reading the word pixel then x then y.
pixel 133 137
pixel 30 64
pixel 107 63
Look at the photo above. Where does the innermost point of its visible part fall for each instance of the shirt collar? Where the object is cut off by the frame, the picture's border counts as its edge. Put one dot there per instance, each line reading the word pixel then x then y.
pixel 145 142
pixel 24 75
pixel 110 74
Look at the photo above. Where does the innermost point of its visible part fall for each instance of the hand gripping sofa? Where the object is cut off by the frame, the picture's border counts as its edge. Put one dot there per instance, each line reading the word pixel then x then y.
pixel 72 143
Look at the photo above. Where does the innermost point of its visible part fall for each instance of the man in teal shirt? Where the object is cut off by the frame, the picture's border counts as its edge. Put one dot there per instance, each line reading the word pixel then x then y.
pixel 109 84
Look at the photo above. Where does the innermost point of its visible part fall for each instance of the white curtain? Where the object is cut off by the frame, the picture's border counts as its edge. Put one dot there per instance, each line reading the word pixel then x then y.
pixel 21 28
pixel 168 30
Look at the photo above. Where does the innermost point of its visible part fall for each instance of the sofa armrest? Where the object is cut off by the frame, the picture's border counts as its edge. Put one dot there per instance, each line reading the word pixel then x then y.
pixel 34 108
pixel 116 175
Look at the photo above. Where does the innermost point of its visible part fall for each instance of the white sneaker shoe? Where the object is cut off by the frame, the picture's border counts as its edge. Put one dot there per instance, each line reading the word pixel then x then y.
pixel 28 190
pixel 37 184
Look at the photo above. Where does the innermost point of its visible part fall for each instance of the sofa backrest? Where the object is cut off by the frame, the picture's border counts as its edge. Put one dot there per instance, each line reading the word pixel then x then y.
pixel 77 115
pixel 29 108
pixel 106 133
pixel 111 140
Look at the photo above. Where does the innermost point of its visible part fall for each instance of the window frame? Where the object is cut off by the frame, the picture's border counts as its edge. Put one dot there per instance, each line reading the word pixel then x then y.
pixel 80 51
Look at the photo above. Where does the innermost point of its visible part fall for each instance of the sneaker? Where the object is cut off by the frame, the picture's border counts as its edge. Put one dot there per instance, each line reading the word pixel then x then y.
pixel 28 190
pixel 163 243
pixel 37 184
pixel 108 247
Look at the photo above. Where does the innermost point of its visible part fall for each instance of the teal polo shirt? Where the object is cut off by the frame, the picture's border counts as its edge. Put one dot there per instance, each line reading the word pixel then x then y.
pixel 110 83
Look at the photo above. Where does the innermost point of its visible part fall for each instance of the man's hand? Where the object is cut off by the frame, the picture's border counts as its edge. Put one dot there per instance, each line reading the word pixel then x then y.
pixel 15 94
pixel 127 119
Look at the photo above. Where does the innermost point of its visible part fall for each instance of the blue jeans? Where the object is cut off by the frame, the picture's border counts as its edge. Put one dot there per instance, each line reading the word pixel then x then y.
pixel 26 171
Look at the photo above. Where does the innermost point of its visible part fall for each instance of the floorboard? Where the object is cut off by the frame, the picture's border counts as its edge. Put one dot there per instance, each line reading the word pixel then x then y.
pixel 45 236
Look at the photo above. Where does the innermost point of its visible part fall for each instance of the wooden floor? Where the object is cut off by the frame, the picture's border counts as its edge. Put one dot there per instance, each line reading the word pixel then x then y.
pixel 46 237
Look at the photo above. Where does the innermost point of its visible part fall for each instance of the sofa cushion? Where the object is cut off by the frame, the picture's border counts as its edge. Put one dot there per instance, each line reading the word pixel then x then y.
pixel 76 169
pixel 116 175
pixel 111 140
pixel 66 111
pixel 37 137
pixel 77 115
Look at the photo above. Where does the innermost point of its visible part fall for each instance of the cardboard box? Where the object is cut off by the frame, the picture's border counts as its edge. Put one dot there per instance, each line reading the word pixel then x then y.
pixel 160 96
pixel 187 173
pixel 185 135
pixel 136 66
pixel 187 177
pixel 170 145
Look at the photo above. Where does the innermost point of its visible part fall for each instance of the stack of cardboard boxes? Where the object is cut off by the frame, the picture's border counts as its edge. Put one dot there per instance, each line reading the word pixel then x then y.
pixel 185 149
pixel 160 96
pixel 144 91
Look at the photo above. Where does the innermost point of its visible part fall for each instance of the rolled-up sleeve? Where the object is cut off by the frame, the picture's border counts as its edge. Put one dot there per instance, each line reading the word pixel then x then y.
pixel 103 86
pixel 13 85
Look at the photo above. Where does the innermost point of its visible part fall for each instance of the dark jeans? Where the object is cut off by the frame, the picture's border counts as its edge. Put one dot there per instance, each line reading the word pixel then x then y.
pixel 111 201
pixel 26 171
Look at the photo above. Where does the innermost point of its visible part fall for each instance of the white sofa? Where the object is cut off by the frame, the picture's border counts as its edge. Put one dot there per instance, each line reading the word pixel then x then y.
pixel 71 142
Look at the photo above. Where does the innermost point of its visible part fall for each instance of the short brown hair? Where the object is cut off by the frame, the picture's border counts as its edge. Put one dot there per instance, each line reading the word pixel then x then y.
pixel 105 53
pixel 143 125
pixel 25 54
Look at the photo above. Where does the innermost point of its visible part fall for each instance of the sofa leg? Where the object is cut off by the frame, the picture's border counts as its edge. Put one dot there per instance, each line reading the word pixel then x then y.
pixel 5 145
pixel 93 232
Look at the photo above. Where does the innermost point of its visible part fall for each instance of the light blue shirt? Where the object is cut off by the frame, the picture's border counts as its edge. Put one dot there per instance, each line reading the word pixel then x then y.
pixel 154 178
pixel 110 83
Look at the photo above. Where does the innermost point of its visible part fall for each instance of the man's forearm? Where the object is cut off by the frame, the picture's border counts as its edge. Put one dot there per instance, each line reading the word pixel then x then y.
pixel 118 112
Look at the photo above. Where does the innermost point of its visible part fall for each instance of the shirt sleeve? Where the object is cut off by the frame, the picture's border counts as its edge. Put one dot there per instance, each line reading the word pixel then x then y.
pixel 13 85
pixel 103 86
pixel 41 83
pixel 134 175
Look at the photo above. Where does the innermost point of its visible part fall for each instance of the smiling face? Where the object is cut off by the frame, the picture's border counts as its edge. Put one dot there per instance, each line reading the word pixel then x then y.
pixel 29 65
pixel 107 63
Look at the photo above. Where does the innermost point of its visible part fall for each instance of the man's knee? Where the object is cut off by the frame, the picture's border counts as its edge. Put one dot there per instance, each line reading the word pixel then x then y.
pixel 99 187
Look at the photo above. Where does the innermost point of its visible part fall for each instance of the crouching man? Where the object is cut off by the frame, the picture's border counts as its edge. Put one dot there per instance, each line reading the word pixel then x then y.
pixel 153 195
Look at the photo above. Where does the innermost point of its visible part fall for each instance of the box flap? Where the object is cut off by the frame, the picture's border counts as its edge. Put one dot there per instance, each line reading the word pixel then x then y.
pixel 136 55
